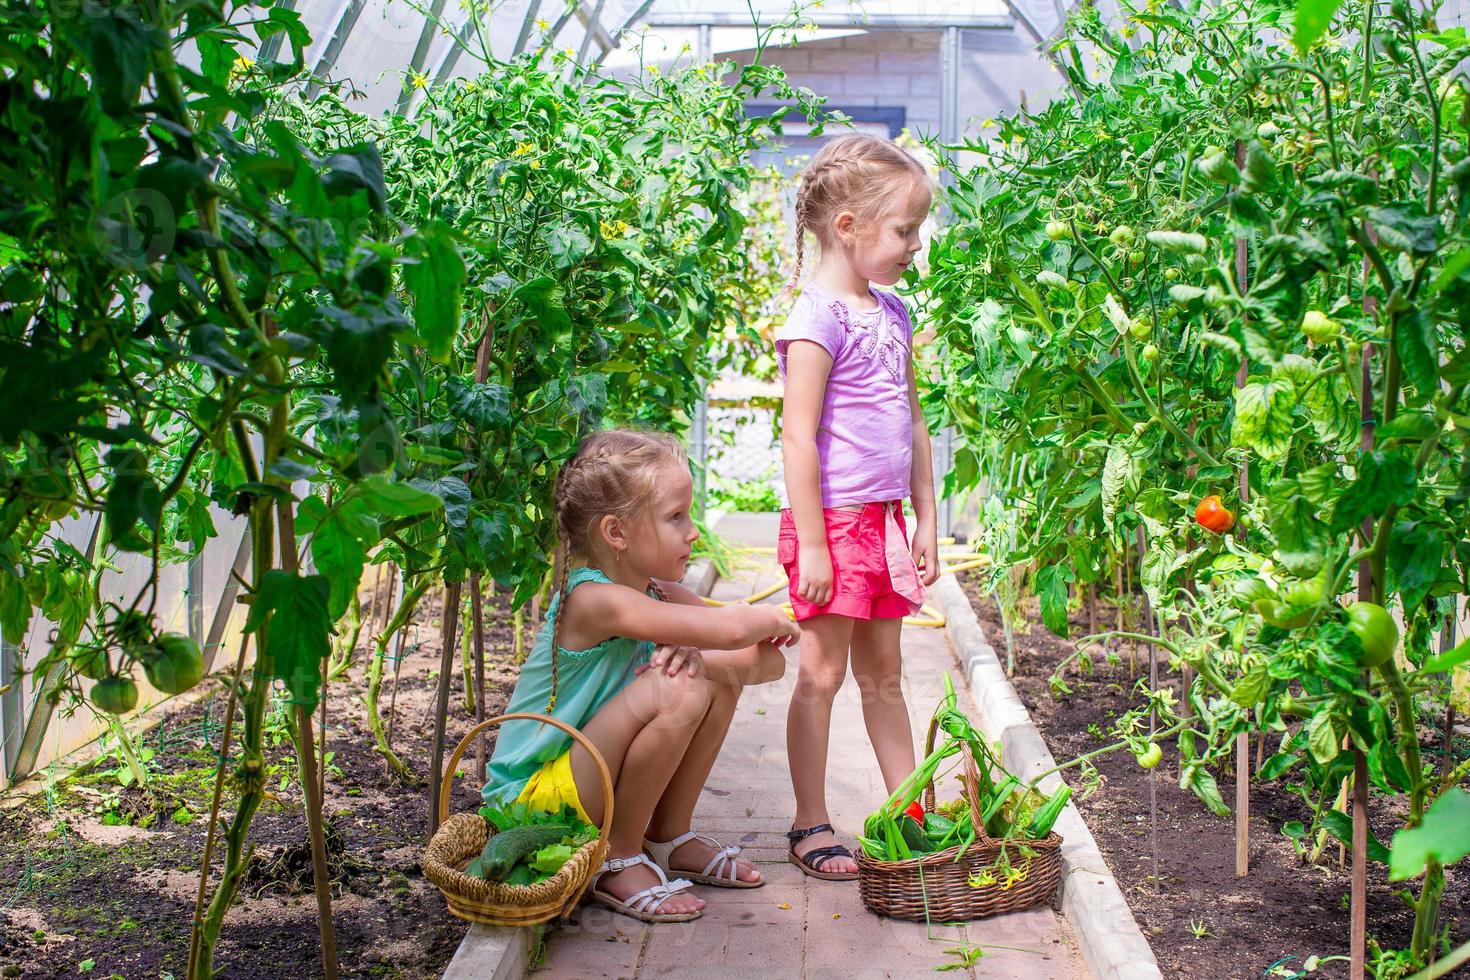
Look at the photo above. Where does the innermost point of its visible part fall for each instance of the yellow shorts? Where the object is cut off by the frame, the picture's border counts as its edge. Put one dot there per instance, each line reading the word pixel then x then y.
pixel 552 786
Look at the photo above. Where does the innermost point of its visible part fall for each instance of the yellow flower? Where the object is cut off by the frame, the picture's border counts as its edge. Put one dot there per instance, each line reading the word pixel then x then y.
pixel 612 229
pixel 524 149
pixel 542 25
pixel 654 71
pixel 986 124
pixel 420 80
pixel 569 51
pixel 535 165
pixel 242 65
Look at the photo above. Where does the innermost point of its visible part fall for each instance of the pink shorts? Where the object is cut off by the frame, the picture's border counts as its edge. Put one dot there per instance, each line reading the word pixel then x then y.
pixel 863 560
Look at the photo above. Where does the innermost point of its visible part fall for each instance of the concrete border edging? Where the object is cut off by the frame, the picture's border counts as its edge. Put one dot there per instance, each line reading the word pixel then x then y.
pixel 1112 944
pixel 505 952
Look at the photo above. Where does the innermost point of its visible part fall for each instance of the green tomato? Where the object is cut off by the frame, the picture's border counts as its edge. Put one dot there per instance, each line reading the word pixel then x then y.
pixel 174 663
pixel 1320 328
pixel 1057 230
pixel 1149 352
pixel 91 662
pixel 1141 327
pixel 1151 756
pixel 1281 615
pixel 115 695
pixel 1122 236
pixel 1305 591
pixel 1135 257
pixel 1377 631
pixel 1171 274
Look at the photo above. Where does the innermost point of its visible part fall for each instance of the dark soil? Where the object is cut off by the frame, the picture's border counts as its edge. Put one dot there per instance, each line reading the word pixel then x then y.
pixel 1282 912
pixel 100 880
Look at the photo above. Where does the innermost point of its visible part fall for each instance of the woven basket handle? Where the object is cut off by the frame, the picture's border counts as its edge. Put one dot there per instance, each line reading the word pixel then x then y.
pixel 971 782
pixel 446 785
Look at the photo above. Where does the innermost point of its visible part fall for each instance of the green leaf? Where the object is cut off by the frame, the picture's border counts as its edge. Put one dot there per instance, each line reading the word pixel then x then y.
pixel 1263 417
pixel 396 499
pixel 340 557
pixel 435 278
pixel 1416 552
pixel 1417 343
pixel 1322 738
pixel 1313 18
pixel 15 609
pixel 482 406
pixel 1251 689
pixel 1384 479
pixel 1300 537
pixel 1450 659
pixel 1198 780
pixel 1051 587
pixel 293 609
pixel 1444 835
pixel 1404 229
pixel 1340 826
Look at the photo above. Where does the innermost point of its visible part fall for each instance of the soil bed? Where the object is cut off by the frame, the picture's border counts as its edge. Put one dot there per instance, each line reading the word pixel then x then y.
pixel 1282 912
pixel 100 879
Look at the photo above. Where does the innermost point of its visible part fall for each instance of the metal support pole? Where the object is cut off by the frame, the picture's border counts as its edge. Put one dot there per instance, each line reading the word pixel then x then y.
pixel 195 598
pixel 12 703
pixel 420 53
pixel 328 60
pixel 706 44
pixel 949 96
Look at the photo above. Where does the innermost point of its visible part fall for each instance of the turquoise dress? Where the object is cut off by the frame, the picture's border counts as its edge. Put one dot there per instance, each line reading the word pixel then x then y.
pixel 588 679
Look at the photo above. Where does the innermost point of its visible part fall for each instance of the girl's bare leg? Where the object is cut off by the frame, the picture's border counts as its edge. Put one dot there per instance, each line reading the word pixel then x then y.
pixel 822 669
pixel 727 672
pixel 643 734
pixel 877 666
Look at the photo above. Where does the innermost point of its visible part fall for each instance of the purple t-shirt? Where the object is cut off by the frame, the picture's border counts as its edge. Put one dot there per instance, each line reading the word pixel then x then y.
pixel 865 435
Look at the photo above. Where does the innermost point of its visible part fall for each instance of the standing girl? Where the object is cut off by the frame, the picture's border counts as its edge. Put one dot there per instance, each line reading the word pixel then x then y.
pixel 854 445
pixel 657 714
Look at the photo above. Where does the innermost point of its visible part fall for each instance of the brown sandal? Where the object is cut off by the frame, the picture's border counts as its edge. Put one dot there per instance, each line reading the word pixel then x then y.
pixel 810 863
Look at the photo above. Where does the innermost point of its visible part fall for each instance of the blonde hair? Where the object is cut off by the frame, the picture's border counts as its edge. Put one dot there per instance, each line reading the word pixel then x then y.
pixel 857 172
pixel 614 472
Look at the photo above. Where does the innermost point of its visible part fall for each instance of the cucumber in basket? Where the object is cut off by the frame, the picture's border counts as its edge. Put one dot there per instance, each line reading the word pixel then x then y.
pixel 506 849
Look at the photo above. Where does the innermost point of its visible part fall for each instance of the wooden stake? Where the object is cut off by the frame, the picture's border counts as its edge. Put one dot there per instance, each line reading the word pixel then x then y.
pixel 1242 804
pixel 1242 741
pixel 477 615
pixel 1151 624
pixel 320 875
pixel 441 711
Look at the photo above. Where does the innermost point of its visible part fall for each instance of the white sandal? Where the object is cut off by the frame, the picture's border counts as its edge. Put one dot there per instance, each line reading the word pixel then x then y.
pixel 722 871
pixel 644 905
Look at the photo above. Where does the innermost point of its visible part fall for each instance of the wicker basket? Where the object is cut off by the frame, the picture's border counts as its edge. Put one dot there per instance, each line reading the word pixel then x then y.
pixel 935 887
pixel 462 836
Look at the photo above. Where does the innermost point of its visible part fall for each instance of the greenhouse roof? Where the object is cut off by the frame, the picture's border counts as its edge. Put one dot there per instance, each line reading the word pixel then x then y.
pixel 376 43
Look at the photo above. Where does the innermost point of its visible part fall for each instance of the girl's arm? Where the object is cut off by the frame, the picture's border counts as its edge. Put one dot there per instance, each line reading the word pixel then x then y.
pixel 602 610
pixel 758 664
pixel 807 366
pixel 921 490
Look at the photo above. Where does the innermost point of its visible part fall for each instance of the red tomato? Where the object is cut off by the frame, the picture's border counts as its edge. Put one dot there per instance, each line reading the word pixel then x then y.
pixel 915 810
pixel 1213 515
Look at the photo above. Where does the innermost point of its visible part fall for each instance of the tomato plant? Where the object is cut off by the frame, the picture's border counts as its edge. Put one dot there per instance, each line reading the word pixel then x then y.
pixel 371 339
pixel 1296 255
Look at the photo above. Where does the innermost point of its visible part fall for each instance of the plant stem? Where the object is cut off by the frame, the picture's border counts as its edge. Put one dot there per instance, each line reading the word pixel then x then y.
pixel 398 621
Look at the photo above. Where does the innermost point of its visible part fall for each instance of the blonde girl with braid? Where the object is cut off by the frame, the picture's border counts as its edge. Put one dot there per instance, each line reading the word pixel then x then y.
pixel 644 669
pixel 855 446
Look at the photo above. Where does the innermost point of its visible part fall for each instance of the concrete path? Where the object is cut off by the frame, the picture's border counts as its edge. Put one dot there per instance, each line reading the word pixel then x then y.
pixel 795 926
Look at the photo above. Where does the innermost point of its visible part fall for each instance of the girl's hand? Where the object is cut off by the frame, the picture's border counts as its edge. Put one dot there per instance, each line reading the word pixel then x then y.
pixel 672 659
pixel 926 552
pixel 815 567
pixel 784 632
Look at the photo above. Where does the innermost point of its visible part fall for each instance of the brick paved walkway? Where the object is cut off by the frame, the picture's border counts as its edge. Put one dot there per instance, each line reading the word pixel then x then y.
pixel 795 926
